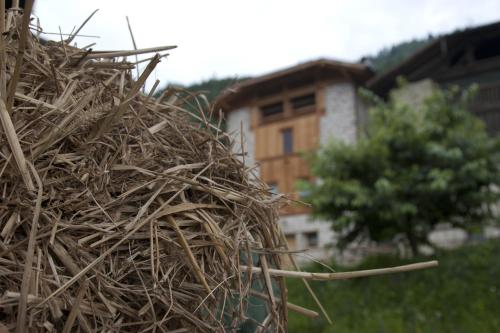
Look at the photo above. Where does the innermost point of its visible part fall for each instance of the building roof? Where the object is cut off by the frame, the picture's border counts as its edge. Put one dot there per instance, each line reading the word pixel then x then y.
pixel 303 72
pixel 417 65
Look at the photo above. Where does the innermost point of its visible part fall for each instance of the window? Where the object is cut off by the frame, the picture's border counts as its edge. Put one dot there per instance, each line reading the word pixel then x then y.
pixel 312 239
pixel 301 182
pixel 304 103
pixel 271 110
pixel 488 48
pixel 290 239
pixel 273 187
pixel 457 58
pixel 287 135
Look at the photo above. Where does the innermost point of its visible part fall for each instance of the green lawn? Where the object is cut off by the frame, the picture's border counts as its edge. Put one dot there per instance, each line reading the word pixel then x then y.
pixel 462 295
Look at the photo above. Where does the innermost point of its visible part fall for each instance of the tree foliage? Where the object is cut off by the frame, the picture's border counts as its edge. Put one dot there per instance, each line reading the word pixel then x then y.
pixel 414 168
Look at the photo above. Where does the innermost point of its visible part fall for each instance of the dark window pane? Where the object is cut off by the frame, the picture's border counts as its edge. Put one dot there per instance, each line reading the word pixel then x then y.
pixel 273 188
pixel 287 141
pixel 303 101
pixel 312 239
pixel 271 109
pixel 303 193
pixel 488 48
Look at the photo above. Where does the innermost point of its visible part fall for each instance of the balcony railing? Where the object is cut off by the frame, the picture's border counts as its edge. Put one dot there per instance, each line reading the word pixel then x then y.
pixel 486 105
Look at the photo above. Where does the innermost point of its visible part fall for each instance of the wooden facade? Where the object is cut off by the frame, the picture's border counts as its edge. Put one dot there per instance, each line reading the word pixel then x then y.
pixel 462 58
pixel 286 108
pixel 278 167
pixel 280 117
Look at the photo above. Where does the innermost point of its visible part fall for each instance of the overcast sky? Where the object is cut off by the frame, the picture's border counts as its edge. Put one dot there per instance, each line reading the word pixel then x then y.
pixel 238 38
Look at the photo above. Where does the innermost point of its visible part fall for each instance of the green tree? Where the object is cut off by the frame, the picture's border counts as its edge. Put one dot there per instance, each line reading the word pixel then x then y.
pixel 415 167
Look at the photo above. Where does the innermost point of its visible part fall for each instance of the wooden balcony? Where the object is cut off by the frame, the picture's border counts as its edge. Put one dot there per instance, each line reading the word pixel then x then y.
pixel 486 105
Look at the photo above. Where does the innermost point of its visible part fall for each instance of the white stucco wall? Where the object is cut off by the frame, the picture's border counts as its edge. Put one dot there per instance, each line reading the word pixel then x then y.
pixel 299 225
pixel 339 121
pixel 238 126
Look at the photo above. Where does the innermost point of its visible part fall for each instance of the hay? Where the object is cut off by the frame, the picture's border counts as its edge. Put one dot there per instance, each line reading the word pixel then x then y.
pixel 118 212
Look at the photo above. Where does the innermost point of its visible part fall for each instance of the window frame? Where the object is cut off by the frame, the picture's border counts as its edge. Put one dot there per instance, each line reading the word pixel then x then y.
pixel 273 187
pixel 315 243
pixel 304 108
pixel 287 146
pixel 302 194
pixel 273 116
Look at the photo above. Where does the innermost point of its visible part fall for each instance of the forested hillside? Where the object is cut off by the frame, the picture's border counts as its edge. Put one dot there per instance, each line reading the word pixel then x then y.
pixel 381 61
pixel 389 57
pixel 211 88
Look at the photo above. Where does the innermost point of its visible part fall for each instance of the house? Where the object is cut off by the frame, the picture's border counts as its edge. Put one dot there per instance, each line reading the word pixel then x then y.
pixel 460 58
pixel 283 115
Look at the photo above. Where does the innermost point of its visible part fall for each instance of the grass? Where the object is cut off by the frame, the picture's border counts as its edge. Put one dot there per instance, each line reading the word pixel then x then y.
pixel 462 295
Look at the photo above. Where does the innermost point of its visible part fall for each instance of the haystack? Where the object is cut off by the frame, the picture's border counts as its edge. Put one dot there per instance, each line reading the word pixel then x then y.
pixel 125 212
pixel 120 211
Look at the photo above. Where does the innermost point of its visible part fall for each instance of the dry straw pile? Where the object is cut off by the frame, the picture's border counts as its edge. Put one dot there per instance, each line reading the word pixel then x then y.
pixel 119 213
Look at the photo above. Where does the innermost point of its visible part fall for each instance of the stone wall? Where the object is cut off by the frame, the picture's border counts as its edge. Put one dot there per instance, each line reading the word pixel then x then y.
pixel 299 226
pixel 340 119
pixel 238 126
